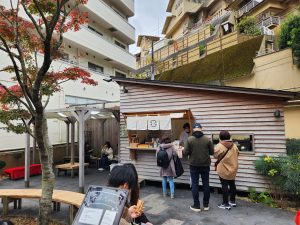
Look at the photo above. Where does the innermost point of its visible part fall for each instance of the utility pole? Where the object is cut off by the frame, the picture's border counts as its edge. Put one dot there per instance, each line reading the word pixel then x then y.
pixel 152 63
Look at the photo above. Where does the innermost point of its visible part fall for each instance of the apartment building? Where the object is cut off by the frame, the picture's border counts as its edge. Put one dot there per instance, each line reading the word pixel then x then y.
pixel 101 48
pixel 192 23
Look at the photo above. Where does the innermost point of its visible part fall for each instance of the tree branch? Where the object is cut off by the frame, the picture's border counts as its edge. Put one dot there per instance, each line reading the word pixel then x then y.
pixel 16 68
pixel 17 98
pixel 37 27
pixel 41 13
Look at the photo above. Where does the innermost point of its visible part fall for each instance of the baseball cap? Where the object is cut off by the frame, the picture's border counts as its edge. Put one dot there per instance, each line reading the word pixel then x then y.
pixel 197 125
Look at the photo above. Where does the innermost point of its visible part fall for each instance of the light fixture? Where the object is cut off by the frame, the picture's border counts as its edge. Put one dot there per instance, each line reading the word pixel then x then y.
pixel 62 115
pixel 94 118
pixel 176 115
pixel 277 114
pixel 94 112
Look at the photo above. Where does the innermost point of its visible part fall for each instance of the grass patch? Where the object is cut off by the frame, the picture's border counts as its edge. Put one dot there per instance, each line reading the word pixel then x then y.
pixel 238 62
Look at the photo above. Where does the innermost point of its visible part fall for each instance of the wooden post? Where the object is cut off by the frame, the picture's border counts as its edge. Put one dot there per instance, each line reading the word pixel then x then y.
pixel 27 160
pixel 81 116
pixel 67 137
pixel 5 205
pixel 72 142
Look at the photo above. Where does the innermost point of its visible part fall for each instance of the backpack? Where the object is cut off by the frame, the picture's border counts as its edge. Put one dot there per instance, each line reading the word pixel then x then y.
pixel 163 158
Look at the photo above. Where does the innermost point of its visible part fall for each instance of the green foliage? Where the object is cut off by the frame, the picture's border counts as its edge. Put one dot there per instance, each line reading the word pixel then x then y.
pixel 262 197
pixel 248 26
pixel 212 28
pixel 293 146
pixel 283 172
pixel 238 62
pixel 202 49
pixel 290 36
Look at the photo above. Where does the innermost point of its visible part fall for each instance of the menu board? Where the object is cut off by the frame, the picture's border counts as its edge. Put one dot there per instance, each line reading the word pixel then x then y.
pixel 101 206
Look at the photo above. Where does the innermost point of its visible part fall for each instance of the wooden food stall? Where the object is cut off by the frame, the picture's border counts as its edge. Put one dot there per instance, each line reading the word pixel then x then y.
pixel 146 129
pixel 254 117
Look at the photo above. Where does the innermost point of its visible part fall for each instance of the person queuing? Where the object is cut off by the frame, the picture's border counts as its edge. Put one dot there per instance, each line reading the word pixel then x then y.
pixel 199 148
pixel 226 153
pixel 167 172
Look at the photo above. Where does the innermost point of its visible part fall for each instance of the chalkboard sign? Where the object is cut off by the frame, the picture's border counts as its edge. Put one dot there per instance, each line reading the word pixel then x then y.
pixel 101 206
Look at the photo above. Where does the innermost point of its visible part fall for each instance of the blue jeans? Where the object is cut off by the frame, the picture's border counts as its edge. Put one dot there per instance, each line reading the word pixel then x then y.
pixel 204 172
pixel 164 184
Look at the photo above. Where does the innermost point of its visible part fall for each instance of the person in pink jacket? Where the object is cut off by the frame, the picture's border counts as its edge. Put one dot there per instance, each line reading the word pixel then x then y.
pixel 169 173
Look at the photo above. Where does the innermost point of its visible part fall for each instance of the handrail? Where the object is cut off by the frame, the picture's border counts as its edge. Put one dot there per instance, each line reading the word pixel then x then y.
pixel 246 8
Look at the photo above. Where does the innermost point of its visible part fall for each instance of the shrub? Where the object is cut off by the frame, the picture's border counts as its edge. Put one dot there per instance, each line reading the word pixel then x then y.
pixel 283 172
pixel 293 146
pixel 201 50
pixel 290 36
pixel 2 164
pixel 248 25
pixel 262 197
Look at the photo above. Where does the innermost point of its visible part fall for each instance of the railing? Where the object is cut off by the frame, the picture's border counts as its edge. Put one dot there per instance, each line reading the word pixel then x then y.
pixel 195 52
pixel 264 52
pixel 266 31
pixel 199 33
pixel 85 27
pixel 270 21
pixel 246 8
pixel 102 2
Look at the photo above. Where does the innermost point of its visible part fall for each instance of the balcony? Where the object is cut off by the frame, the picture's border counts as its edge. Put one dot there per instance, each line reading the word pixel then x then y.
pixel 127 6
pixel 111 20
pixel 95 43
pixel 246 8
pixel 270 22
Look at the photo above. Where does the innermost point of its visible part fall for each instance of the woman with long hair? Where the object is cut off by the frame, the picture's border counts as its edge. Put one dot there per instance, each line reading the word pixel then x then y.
pixel 168 173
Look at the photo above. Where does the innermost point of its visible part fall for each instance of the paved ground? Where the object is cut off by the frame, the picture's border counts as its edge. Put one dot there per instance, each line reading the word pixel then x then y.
pixel 165 211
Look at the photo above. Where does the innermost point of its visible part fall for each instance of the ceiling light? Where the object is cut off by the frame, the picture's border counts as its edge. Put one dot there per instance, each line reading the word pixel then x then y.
pixel 94 112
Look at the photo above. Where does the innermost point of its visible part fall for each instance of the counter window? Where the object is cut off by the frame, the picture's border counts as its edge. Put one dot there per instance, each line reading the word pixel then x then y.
pixel 243 141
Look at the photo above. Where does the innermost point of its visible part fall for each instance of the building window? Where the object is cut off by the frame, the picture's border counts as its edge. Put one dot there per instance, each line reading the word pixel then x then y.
pixel 120 44
pixel 93 29
pixel 244 142
pixel 120 74
pixel 95 67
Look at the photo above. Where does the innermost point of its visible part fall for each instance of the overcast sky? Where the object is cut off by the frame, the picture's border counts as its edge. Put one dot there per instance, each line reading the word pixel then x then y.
pixel 149 18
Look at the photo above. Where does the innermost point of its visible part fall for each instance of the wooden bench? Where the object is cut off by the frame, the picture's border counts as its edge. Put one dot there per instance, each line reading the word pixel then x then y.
pixel 68 166
pixel 19 172
pixel 73 199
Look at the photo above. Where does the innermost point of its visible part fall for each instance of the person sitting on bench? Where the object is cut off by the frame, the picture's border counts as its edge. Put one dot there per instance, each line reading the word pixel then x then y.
pixel 107 154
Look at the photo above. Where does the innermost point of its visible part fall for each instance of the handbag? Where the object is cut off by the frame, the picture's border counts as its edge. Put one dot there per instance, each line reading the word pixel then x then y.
pixel 219 160
pixel 178 167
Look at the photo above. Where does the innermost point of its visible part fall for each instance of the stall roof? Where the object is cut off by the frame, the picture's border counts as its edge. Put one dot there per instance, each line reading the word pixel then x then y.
pixel 205 87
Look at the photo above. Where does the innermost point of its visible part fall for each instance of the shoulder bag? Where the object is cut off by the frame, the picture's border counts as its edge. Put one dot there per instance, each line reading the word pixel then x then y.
pixel 220 159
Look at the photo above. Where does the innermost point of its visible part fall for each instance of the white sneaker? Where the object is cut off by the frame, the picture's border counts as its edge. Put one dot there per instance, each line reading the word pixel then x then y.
pixel 232 204
pixel 206 208
pixel 101 169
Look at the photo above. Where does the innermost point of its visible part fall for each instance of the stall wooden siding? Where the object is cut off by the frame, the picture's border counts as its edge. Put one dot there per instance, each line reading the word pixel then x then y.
pixel 238 113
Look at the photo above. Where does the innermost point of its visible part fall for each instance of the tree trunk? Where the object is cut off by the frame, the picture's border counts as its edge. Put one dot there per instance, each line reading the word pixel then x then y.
pixel 46 159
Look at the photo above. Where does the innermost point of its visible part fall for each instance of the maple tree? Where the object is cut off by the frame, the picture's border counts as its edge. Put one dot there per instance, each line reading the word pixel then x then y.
pixel 29 29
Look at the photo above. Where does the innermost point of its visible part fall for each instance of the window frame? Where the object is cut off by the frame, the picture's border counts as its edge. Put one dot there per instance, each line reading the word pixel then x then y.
pixel 241 134
pixel 97 66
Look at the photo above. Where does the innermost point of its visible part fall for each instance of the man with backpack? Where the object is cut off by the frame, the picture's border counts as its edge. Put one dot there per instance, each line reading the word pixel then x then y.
pixel 165 161
pixel 199 148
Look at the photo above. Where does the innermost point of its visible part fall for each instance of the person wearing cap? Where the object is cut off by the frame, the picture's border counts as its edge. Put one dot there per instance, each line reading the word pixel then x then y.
pixel 199 148
pixel 227 154
pixel 184 134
